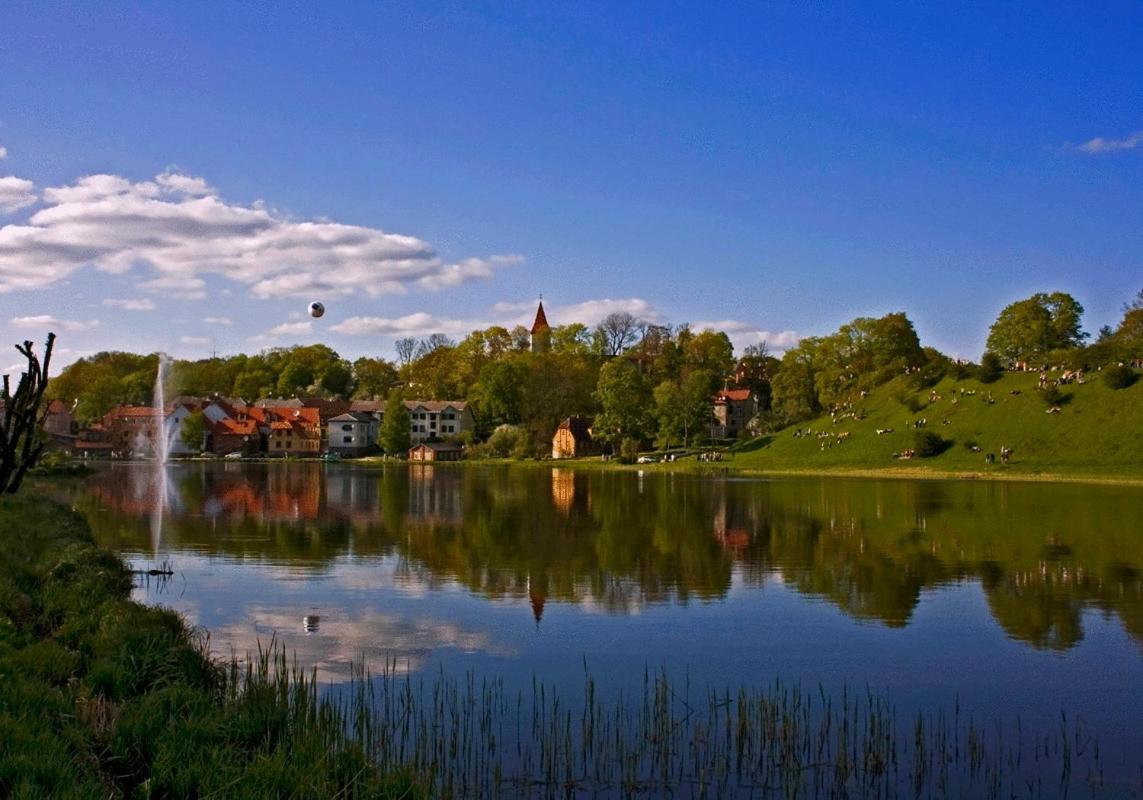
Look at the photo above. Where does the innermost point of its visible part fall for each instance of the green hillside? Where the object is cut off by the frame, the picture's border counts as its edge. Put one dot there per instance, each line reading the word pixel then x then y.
pixel 1098 431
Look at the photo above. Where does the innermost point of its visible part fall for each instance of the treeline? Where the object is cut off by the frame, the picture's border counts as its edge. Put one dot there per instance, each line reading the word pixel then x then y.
pixel 643 383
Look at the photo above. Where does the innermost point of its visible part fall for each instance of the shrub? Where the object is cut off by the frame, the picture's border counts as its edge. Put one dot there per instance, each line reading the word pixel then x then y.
pixel 927 443
pixel 628 451
pixel 1053 396
pixel 1119 377
pixel 508 440
pixel 990 368
pixel 911 402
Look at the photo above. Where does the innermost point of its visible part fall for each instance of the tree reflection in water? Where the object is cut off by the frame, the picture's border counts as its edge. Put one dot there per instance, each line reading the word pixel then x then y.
pixel 1042 552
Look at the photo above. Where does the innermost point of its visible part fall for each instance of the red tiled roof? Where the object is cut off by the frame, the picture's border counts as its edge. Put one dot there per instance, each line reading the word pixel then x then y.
pixel 541 323
pixel 733 394
pixel 246 427
pixel 134 411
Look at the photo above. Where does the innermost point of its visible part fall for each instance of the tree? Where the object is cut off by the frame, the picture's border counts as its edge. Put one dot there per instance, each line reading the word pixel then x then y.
pixel 374 377
pixel 795 390
pixel 1031 328
pixel 394 437
pixel 710 351
pixel 406 347
pixel 193 429
pixel 22 417
pixel 336 379
pixel 618 331
pixel 295 379
pixel 623 400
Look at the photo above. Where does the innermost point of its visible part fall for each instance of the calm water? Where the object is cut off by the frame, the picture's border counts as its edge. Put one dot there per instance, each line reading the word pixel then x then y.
pixel 1013 599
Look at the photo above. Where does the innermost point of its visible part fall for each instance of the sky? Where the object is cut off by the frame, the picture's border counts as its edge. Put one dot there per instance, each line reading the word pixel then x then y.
pixel 188 177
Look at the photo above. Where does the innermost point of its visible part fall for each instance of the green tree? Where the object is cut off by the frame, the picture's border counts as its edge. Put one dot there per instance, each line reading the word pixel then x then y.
pixel 795 395
pixel 193 429
pixel 624 403
pixel 374 377
pixel 336 379
pixel 1030 329
pixel 295 379
pixel 393 437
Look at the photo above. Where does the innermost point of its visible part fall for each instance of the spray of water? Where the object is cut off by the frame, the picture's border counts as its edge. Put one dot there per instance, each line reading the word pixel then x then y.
pixel 164 434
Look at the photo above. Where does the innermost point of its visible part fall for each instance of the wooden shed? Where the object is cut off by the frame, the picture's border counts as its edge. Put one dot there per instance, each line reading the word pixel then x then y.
pixel 573 438
pixel 435 451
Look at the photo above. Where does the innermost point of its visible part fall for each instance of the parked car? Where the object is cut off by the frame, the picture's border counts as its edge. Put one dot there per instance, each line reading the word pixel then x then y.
pixel 647 460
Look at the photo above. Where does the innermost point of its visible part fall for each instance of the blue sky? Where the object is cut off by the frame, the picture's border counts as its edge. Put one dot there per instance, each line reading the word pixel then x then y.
pixel 776 170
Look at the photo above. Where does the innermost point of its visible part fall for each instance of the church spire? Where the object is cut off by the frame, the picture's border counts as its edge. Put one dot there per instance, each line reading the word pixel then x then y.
pixel 541 331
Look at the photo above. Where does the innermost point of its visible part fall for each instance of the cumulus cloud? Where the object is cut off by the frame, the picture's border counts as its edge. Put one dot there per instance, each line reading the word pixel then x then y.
pixel 743 334
pixel 1101 145
pixel 178 229
pixel 217 321
pixel 285 329
pixel 3 152
pixel 15 193
pixel 48 321
pixel 408 325
pixel 591 312
pixel 131 304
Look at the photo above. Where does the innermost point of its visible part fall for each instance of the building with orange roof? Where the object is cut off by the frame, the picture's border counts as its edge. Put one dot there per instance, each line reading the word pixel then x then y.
pixel 732 409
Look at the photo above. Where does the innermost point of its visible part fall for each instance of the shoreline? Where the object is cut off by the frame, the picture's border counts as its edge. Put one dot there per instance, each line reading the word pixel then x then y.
pixel 717 469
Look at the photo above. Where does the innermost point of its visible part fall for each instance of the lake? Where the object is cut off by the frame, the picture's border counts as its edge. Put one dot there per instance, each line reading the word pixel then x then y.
pixel 1006 600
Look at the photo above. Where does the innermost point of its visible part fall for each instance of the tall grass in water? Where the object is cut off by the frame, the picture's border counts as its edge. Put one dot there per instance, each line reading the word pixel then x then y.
pixel 470 737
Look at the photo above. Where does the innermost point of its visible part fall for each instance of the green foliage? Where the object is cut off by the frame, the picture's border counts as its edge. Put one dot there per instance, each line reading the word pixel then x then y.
pixel 103 697
pixel 509 441
pixel 193 430
pixel 991 368
pixel 628 451
pixel 1030 329
pixel 394 438
pixel 1119 377
pixel 624 403
pixel 927 444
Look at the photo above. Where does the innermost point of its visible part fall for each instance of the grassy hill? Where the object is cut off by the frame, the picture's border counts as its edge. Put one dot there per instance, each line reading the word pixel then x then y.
pixel 1097 432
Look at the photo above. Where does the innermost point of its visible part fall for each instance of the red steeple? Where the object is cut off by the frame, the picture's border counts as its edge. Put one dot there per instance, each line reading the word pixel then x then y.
pixel 541 323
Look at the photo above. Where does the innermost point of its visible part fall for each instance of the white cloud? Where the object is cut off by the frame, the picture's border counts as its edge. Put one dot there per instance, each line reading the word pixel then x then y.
pixel 591 312
pixel 743 334
pixel 15 193
pixel 1101 145
pixel 197 341
pixel 180 230
pixel 217 321
pixel 3 152
pixel 129 304
pixel 48 321
pixel 285 329
pixel 408 325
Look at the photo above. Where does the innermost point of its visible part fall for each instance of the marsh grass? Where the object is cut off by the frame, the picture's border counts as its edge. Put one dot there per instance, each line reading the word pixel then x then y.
pixel 469 737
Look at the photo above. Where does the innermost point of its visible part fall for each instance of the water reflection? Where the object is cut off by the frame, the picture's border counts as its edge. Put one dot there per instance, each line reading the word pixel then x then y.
pixel 617 543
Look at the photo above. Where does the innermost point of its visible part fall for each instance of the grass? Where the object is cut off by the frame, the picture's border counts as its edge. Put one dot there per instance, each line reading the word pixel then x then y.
pixel 102 697
pixel 1094 434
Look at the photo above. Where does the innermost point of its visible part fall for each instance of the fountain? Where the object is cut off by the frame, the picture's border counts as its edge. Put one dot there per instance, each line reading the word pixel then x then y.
pixel 162 449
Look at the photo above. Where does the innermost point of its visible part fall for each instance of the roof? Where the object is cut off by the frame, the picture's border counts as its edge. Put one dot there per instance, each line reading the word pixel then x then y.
pixel 352 416
pixel 57 407
pixel 737 395
pixel 436 406
pixel 541 323
pixel 367 405
pixel 246 427
pixel 437 447
pixel 134 411
pixel 579 426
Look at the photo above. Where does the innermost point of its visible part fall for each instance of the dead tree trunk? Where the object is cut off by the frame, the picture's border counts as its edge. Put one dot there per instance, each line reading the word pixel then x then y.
pixel 22 416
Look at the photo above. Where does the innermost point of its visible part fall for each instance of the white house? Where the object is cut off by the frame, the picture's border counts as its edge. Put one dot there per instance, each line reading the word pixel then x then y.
pixel 353 433
pixel 429 419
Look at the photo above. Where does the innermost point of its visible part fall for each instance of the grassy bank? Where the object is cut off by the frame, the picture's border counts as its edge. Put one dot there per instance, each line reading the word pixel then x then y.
pixel 102 697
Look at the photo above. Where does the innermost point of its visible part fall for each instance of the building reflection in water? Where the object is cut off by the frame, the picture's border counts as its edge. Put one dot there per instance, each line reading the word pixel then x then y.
pixel 615 543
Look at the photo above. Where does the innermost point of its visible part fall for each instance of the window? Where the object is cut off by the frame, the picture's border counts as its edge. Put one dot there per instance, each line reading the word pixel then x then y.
pixel 347 439
pixel 347 427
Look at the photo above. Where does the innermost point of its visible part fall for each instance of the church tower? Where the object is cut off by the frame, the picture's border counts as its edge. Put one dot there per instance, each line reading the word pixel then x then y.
pixel 541 331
